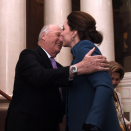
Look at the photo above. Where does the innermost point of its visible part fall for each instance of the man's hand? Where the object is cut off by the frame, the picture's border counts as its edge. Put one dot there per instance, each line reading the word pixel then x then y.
pixel 91 64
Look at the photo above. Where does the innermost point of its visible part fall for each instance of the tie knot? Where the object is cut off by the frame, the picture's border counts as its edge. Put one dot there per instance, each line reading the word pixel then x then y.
pixel 52 59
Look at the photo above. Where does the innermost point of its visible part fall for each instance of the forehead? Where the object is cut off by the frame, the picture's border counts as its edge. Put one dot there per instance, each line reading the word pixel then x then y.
pixel 55 29
pixel 116 75
pixel 65 23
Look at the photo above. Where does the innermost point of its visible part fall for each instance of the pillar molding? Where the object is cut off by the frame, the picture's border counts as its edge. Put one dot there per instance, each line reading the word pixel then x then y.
pixel 12 40
pixel 102 11
pixel 55 12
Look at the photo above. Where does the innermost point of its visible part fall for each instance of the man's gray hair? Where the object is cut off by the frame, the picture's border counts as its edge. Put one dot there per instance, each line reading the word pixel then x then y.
pixel 44 29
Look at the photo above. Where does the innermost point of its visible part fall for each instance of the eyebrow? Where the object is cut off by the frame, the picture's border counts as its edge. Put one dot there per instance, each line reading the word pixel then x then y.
pixel 57 32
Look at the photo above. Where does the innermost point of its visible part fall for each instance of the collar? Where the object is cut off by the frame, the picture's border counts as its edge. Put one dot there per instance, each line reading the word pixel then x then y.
pixel 47 53
pixel 74 49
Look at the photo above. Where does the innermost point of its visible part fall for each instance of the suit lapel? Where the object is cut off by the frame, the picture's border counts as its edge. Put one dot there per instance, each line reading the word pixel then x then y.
pixel 58 64
pixel 44 58
pixel 46 61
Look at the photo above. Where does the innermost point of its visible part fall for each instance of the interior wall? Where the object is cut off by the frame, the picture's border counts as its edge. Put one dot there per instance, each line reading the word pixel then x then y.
pixel 34 22
pixel 122 32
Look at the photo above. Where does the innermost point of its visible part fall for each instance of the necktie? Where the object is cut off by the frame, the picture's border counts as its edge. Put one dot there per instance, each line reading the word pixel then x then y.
pixel 53 63
pixel 55 67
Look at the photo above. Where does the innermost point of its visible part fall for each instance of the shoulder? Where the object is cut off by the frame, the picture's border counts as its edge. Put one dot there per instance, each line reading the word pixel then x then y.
pixel 27 51
pixel 29 55
pixel 86 46
pixel 31 52
pixel 83 47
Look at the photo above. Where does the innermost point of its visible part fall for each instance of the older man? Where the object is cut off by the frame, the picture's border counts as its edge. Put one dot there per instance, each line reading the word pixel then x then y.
pixel 36 103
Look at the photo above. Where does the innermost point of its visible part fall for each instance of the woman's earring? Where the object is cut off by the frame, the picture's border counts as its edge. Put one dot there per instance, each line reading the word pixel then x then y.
pixel 72 38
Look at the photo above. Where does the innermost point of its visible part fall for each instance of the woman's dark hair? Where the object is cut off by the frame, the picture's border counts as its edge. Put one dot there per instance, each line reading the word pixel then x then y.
pixel 85 25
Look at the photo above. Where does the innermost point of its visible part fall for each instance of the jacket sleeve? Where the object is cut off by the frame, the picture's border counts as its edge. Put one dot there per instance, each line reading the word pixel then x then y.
pixel 102 84
pixel 30 69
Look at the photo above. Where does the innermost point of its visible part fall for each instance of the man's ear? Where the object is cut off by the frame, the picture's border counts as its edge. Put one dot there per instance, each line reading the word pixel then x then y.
pixel 43 35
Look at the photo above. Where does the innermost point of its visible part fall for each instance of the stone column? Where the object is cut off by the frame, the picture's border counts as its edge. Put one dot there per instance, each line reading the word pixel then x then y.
pixel 55 12
pixel 12 40
pixel 102 11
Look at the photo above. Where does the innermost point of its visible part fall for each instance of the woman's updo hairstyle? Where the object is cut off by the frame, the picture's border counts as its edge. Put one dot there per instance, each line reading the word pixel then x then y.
pixel 85 25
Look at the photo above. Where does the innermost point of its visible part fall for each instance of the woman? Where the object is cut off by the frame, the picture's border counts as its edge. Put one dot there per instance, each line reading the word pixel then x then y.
pixel 117 74
pixel 90 104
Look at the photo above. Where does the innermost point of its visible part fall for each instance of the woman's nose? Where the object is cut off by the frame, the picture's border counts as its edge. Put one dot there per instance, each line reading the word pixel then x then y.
pixel 61 38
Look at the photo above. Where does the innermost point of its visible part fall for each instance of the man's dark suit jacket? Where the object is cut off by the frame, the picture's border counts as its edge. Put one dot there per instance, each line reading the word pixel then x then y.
pixel 36 103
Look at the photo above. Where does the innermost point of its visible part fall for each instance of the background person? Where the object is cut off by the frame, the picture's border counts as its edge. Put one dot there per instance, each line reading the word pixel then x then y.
pixel 117 74
pixel 90 104
pixel 36 104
